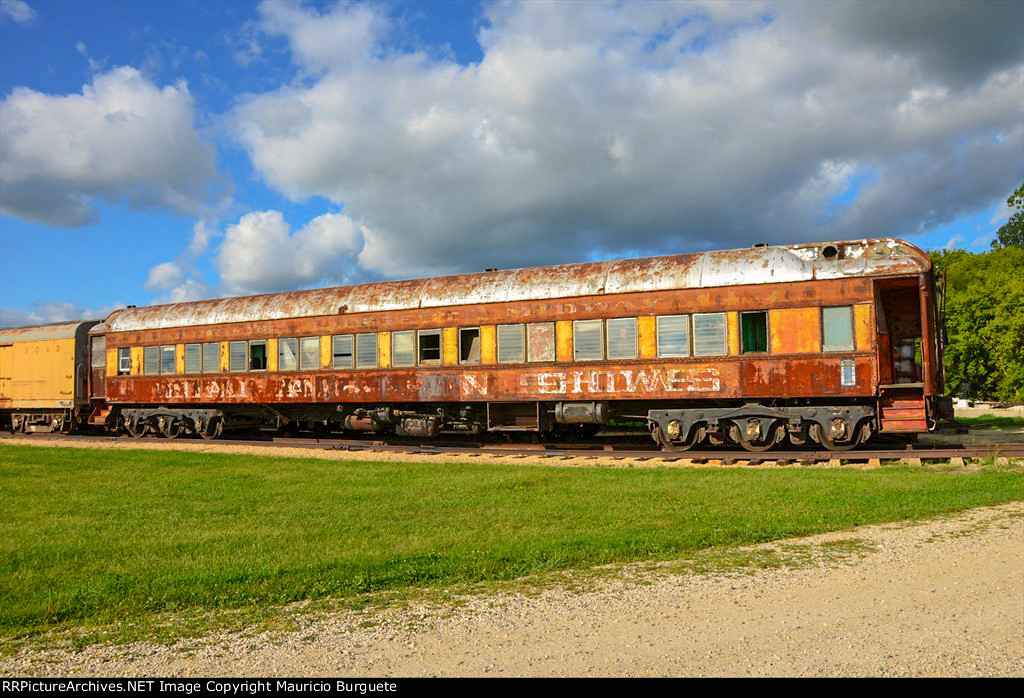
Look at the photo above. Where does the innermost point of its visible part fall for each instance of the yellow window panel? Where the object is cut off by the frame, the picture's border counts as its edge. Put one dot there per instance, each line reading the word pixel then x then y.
pixel 563 340
pixel 734 333
pixel 488 344
pixel 111 362
pixel 647 337
pixel 450 346
pixel 862 324
pixel 326 351
pixel 795 330
pixel 384 348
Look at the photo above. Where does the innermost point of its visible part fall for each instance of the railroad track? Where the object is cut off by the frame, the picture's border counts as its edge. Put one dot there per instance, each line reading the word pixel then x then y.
pixel 604 451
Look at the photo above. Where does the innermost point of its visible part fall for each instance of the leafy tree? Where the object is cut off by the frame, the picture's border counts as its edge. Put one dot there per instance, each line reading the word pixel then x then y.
pixel 1011 233
pixel 984 313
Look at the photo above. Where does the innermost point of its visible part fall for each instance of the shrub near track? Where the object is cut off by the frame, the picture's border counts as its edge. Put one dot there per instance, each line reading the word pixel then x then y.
pixel 99 536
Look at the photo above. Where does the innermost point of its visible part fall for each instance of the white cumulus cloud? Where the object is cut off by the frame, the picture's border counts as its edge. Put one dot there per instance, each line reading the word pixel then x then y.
pixel 624 128
pixel 123 140
pixel 18 11
pixel 260 253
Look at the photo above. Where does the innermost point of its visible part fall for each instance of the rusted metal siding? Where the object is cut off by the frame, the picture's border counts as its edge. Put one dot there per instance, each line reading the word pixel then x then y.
pixel 730 268
pixel 793 376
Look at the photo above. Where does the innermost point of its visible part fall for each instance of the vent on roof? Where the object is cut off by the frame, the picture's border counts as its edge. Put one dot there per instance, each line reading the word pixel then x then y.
pixel 830 252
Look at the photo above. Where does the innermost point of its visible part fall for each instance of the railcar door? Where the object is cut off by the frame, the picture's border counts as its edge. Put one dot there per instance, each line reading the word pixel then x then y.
pixel 98 368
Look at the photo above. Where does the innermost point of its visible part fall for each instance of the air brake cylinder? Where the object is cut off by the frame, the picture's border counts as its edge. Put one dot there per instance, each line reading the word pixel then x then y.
pixel 581 413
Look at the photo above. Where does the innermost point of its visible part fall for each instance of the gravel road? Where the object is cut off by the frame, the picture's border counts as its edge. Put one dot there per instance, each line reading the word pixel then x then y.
pixel 939 598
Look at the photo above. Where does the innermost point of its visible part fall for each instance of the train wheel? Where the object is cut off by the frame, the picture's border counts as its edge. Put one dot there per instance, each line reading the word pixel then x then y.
pixel 774 437
pixel 212 429
pixel 135 429
pixel 172 428
pixel 831 445
pixel 668 445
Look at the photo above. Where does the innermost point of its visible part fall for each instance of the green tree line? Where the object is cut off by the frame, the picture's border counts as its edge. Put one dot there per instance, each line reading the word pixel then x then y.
pixel 984 313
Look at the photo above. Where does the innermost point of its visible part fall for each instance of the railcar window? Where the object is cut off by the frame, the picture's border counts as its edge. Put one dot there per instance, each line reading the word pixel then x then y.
pixel 124 361
pixel 511 344
pixel 309 353
pixel 673 335
pixel 167 359
pixel 287 354
pixel 403 348
pixel 237 355
pixel 469 345
pixel 211 357
pixel 587 340
pixel 429 347
pixel 837 328
pixel 709 335
pixel 151 361
pixel 540 341
pixel 753 332
pixel 341 351
pixel 366 351
pixel 621 338
pixel 257 355
pixel 193 358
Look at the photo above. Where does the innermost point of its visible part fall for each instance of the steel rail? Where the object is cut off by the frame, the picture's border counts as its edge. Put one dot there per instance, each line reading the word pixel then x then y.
pixel 568 451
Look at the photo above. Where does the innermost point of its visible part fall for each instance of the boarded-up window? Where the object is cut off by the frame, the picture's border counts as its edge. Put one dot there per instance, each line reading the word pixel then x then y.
pixel 403 348
pixel 211 357
pixel 167 359
pixel 341 351
pixel 287 354
pixel 540 340
pixel 709 335
pixel 837 328
pixel 193 358
pixel 511 344
pixel 258 355
pixel 587 340
pixel 237 355
pixel 124 361
pixel 469 345
pixel 151 361
pixel 621 338
pixel 673 335
pixel 753 332
pixel 309 353
pixel 366 351
pixel 429 347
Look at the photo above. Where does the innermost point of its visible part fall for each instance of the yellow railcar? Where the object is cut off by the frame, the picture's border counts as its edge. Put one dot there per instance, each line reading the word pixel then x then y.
pixel 44 373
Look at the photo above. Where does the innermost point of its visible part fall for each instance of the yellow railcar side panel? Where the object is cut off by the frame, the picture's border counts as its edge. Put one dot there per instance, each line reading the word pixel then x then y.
pixel 734 333
pixel 563 340
pixel 862 325
pixel 450 346
pixel 384 348
pixel 136 356
pixel 41 373
pixel 225 357
pixel 111 362
pixel 179 358
pixel 271 354
pixel 488 344
pixel 795 330
pixel 326 352
pixel 647 337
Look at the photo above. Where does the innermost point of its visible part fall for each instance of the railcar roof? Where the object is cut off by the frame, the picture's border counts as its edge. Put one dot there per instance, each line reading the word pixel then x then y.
pixel 52 330
pixel 757 265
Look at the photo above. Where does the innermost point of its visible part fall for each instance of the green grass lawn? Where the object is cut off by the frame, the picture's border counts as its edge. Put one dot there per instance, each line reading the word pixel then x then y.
pixel 100 536
pixel 991 421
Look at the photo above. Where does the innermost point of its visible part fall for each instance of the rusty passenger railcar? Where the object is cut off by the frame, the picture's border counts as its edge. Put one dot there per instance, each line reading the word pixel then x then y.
pixel 826 343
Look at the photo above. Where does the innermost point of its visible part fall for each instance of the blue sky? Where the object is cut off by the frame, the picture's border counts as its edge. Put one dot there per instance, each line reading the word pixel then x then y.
pixel 163 151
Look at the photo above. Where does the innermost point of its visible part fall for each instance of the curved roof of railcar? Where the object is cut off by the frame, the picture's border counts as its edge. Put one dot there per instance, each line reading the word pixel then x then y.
pixel 776 264
pixel 33 333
